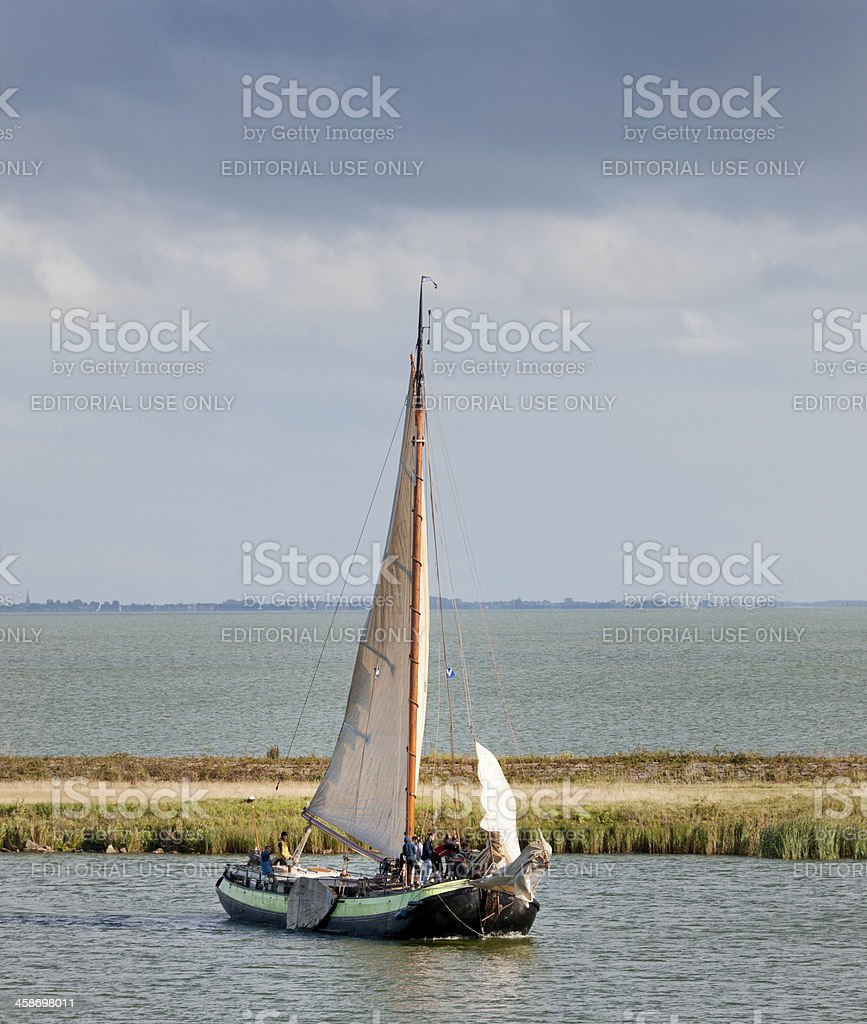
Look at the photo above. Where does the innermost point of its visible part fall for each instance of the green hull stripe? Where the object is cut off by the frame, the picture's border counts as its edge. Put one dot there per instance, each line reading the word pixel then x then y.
pixel 364 906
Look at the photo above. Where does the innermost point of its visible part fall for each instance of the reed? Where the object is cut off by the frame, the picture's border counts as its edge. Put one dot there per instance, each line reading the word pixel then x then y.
pixel 773 829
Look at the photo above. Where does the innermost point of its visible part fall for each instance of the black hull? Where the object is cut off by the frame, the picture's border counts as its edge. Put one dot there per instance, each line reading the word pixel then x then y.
pixel 464 913
pixel 467 913
pixel 472 914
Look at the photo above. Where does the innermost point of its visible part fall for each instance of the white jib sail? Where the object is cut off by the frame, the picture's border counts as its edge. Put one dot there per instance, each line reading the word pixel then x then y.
pixel 498 803
pixel 363 792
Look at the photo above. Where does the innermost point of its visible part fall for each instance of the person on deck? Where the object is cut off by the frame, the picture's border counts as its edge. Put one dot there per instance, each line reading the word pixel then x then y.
pixel 427 858
pixel 441 850
pixel 437 861
pixel 450 856
pixel 283 851
pixel 267 867
pixel 410 860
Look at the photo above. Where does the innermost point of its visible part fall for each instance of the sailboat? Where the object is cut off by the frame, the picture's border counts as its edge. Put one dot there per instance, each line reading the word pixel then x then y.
pixel 367 798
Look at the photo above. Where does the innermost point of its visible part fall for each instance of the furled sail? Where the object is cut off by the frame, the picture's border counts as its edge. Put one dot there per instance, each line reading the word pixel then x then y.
pixel 363 792
pixel 520 877
pixel 498 803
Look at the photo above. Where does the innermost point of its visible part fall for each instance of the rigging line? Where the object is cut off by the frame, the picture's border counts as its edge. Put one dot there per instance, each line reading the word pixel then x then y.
pixel 343 588
pixel 439 702
pixel 463 923
pixel 476 582
pixel 454 788
pixel 440 609
pixel 465 672
pixel 468 697
pixel 459 632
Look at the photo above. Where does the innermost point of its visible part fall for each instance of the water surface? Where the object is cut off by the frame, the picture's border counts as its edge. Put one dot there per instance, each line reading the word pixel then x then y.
pixel 159 684
pixel 706 939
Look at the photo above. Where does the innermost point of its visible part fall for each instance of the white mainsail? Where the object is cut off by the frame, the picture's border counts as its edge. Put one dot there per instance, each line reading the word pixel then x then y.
pixel 363 792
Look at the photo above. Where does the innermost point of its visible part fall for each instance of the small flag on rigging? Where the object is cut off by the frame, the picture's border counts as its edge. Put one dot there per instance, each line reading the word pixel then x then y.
pixel 450 672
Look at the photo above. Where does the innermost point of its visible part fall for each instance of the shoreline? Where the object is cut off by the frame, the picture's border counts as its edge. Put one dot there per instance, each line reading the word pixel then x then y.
pixel 788 806
pixel 633 766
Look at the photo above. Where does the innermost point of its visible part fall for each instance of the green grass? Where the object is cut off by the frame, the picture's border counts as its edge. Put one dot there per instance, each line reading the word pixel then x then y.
pixel 226 828
pixel 752 804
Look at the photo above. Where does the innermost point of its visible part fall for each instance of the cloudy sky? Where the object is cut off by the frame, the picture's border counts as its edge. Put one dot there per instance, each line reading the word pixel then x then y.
pixel 503 170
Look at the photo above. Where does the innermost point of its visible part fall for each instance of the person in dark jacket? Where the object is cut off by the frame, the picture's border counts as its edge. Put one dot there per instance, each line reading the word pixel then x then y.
pixel 428 853
pixel 267 867
pixel 410 860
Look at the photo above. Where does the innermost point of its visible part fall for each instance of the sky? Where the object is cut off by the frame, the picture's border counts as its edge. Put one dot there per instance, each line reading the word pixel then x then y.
pixel 497 149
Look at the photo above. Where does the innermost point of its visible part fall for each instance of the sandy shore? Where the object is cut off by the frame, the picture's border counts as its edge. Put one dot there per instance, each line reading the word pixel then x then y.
pixel 540 791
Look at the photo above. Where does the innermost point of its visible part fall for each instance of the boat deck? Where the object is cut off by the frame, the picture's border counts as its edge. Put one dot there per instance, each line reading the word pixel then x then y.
pixel 345 886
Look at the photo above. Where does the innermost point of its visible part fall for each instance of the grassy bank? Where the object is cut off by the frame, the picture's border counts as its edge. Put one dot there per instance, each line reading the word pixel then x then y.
pixel 635 766
pixel 225 826
pixel 642 802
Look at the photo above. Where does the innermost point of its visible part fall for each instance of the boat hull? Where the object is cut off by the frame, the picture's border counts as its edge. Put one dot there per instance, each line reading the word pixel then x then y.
pixel 444 910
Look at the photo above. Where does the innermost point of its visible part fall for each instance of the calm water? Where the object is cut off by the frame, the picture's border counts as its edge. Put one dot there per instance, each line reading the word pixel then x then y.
pixel 707 939
pixel 179 684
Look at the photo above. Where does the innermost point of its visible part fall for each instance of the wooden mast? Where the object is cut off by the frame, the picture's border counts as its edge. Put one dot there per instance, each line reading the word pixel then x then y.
pixel 417 596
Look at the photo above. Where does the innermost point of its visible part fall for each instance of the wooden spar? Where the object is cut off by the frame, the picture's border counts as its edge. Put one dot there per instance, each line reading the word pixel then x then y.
pixel 417 597
pixel 299 849
pixel 250 801
pixel 374 855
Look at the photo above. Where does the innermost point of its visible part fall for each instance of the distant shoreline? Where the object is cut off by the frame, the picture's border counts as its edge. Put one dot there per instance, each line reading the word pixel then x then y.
pixel 313 603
